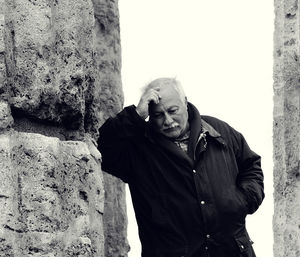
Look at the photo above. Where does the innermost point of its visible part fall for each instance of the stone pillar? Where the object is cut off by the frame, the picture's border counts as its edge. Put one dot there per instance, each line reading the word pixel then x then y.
pixel 286 132
pixel 59 80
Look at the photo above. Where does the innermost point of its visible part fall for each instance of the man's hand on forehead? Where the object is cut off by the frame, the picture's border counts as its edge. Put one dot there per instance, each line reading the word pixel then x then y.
pixel 150 95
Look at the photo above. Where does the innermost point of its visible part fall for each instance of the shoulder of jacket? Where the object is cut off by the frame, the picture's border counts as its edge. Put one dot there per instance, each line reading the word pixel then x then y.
pixel 215 122
pixel 222 127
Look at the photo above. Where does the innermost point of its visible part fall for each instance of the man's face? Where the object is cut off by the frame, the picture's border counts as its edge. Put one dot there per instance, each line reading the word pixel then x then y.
pixel 170 116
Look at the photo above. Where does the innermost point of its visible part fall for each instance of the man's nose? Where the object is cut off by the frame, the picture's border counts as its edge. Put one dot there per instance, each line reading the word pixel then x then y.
pixel 168 119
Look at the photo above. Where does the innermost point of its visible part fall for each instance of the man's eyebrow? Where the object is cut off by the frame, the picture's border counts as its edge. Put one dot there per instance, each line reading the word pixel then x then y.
pixel 173 106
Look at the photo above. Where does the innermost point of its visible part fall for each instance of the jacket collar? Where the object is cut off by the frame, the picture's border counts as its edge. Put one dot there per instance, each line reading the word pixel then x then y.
pixel 199 125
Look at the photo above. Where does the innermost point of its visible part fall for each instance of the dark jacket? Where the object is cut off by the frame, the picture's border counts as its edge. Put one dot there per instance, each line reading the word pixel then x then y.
pixel 185 204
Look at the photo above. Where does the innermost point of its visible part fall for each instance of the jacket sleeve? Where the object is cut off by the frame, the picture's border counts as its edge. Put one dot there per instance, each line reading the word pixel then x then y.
pixel 115 142
pixel 250 178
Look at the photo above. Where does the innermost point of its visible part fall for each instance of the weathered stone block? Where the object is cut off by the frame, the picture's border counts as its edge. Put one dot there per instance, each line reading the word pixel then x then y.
pixel 51 61
pixel 63 61
pixel 53 196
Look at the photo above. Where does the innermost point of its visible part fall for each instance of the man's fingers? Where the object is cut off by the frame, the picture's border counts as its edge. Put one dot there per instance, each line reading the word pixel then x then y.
pixel 155 97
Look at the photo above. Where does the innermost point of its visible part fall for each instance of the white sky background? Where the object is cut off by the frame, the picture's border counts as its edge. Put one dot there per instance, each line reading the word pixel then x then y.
pixel 222 53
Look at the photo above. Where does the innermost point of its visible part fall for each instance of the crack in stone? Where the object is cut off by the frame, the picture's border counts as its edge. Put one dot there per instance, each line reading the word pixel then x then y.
pixel 14 230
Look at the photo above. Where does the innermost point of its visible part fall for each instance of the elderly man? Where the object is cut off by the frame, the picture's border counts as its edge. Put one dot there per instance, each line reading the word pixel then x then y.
pixel 193 179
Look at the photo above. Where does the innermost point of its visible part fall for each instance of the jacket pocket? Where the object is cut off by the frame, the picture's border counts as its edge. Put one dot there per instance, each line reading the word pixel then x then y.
pixel 233 204
pixel 244 245
pixel 242 199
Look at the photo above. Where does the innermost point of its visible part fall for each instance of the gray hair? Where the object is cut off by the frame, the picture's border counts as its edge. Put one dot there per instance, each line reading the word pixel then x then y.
pixel 167 81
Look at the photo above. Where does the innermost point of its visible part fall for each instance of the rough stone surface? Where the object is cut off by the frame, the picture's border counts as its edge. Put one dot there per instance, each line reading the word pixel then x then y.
pixel 286 221
pixel 60 66
pixel 116 243
pixel 106 91
pixel 52 194
pixel 2 50
pixel 50 46
pixel 6 120
pixel 63 61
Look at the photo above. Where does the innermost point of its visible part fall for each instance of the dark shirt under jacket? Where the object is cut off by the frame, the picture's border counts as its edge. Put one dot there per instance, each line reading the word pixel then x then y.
pixel 186 204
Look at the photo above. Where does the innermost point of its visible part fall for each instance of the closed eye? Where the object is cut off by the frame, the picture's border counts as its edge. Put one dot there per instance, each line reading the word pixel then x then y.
pixel 157 115
pixel 173 111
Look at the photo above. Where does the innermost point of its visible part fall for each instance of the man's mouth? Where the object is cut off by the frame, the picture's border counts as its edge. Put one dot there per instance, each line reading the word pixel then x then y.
pixel 171 128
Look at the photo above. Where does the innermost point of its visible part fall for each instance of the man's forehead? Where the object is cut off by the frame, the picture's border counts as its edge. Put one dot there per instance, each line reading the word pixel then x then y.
pixel 167 101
